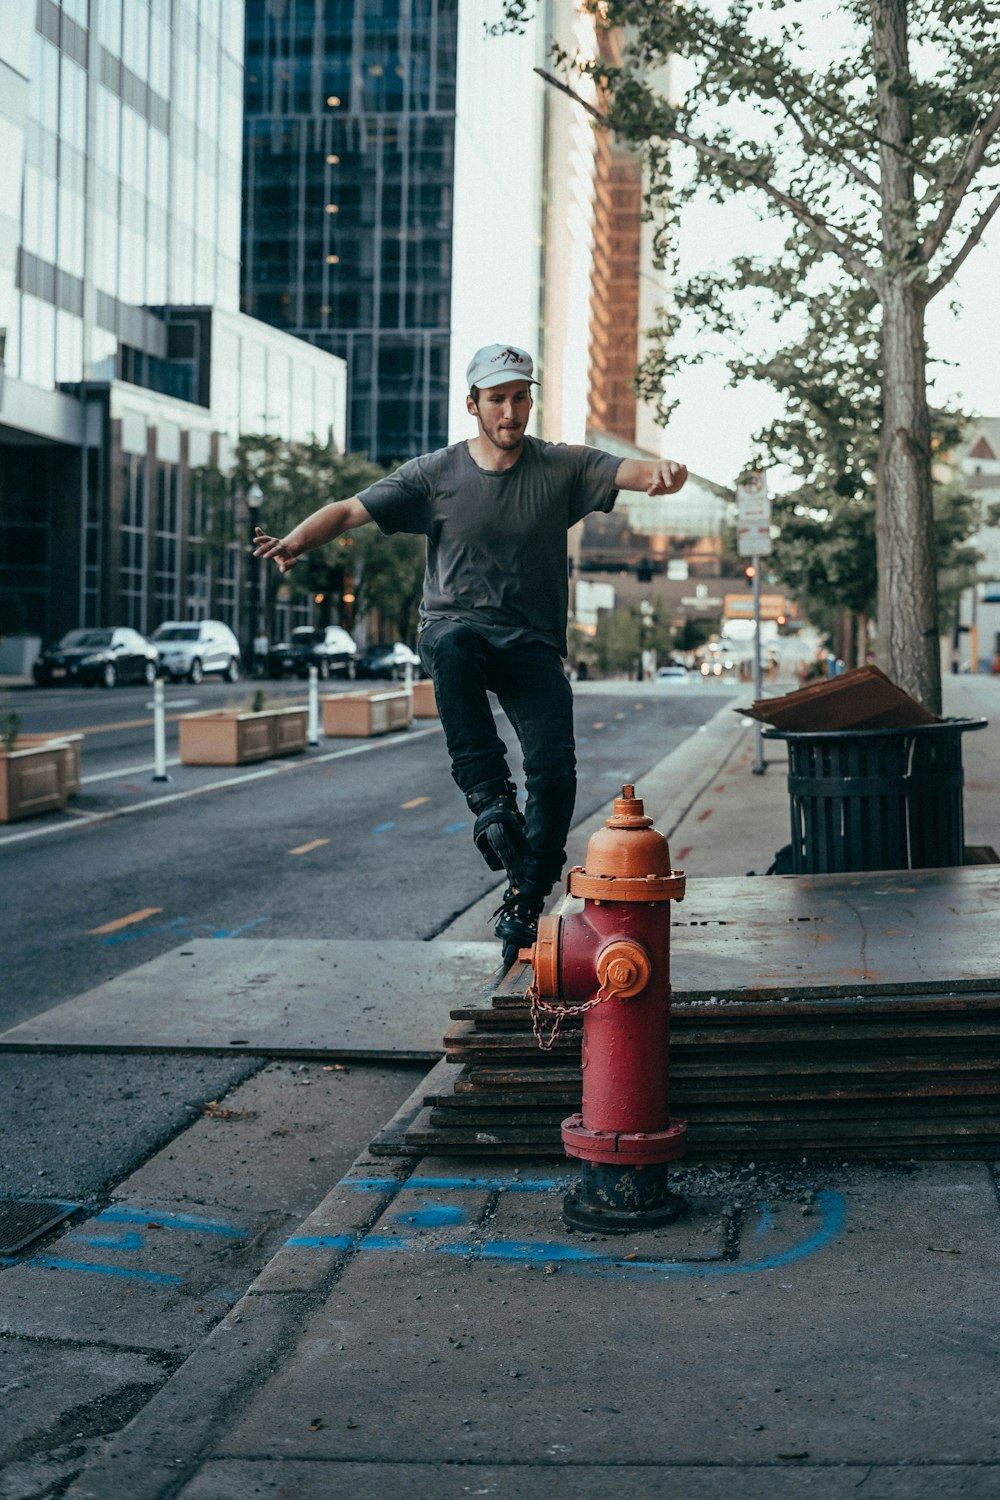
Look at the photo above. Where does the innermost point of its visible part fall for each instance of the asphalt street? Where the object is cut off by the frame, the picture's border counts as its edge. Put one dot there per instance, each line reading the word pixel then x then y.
pixel 358 839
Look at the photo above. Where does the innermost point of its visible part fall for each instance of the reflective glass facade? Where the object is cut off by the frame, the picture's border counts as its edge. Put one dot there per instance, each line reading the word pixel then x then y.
pixel 348 184
pixel 125 363
pixel 131 181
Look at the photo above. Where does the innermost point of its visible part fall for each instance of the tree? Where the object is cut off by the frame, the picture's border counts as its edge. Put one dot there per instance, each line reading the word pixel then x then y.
pixel 295 478
pixel 881 159
pixel 390 575
pixel 623 635
pixel 828 436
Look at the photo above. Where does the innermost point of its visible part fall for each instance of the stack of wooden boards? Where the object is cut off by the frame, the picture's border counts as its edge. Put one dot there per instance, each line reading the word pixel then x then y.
pixel 859 1074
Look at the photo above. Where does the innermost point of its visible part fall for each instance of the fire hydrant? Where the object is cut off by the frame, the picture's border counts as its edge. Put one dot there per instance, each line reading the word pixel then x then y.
pixel 611 963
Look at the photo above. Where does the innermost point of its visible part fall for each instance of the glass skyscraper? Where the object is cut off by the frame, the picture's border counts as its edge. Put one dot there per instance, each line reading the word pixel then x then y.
pixel 125 363
pixel 348 187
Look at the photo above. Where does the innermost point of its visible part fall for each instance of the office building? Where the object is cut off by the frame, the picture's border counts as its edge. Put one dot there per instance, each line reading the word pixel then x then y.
pixel 126 362
pixel 348 200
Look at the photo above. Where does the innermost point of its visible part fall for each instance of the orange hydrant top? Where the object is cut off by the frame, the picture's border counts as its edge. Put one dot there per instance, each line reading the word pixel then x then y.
pixel 627 859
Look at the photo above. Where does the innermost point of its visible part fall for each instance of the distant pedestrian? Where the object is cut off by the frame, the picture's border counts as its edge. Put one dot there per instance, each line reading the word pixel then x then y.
pixel 495 510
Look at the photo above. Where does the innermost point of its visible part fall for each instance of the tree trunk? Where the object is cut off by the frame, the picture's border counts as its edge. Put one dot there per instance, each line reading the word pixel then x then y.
pixel 907 575
pixel 907 572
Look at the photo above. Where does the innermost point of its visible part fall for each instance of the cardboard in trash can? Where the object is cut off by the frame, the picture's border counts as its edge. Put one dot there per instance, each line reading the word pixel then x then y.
pixel 863 698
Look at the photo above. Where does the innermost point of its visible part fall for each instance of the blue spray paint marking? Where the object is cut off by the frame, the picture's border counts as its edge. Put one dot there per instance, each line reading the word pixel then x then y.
pixel 152 1218
pixel 765 1222
pixel 56 1263
pixel 537 1252
pixel 432 1216
pixel 533 1252
pixel 384 828
pixel 132 1240
pixel 177 924
pixel 461 1184
pixel 182 927
pixel 455 827
pixel 232 932
pixel 321 1241
pixel 129 1240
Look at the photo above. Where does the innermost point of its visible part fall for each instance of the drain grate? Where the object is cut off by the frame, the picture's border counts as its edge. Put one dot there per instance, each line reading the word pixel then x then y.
pixel 21 1222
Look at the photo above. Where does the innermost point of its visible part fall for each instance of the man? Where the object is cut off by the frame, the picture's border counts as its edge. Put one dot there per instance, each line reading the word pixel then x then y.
pixel 495 511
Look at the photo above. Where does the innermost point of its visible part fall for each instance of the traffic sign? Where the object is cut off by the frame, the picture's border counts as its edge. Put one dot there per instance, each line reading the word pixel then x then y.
pixel 753 515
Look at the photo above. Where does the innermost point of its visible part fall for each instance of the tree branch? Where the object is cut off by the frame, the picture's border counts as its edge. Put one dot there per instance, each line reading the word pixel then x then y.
pixel 833 242
pixel 813 144
pixel 970 244
pixel 564 88
pixel 972 160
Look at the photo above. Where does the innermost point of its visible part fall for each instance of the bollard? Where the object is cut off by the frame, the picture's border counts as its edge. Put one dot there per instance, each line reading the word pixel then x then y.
pixel 312 730
pixel 610 963
pixel 159 733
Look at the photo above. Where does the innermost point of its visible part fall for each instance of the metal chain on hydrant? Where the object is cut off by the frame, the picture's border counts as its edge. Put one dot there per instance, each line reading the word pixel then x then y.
pixel 540 1008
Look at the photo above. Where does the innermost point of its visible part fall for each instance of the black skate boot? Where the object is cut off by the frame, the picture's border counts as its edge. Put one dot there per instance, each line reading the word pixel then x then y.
pixel 499 832
pixel 518 925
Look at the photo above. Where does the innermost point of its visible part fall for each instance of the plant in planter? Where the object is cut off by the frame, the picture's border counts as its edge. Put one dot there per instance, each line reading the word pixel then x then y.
pixel 33 777
pixel 238 736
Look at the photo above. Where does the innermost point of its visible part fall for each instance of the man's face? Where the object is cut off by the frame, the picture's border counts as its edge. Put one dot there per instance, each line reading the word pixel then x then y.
pixel 503 413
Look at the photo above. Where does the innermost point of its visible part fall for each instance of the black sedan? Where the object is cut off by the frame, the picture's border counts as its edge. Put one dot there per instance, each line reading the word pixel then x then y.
pixel 328 648
pixel 388 660
pixel 89 657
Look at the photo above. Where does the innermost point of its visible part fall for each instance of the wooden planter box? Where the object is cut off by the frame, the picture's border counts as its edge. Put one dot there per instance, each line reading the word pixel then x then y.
pixel 360 715
pixel 70 745
pixel 32 780
pixel 231 738
pixel 424 701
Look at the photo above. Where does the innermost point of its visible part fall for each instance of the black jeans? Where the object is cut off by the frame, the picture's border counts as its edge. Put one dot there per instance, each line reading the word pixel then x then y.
pixel 534 693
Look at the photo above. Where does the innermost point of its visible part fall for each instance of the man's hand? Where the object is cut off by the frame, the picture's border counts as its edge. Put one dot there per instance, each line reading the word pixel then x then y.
pixel 272 547
pixel 659 476
pixel 667 478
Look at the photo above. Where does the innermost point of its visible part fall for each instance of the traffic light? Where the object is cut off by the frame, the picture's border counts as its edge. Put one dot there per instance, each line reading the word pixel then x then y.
pixel 750 571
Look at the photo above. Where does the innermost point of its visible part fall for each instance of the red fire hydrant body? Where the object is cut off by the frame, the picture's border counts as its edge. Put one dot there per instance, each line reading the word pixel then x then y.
pixel 612 961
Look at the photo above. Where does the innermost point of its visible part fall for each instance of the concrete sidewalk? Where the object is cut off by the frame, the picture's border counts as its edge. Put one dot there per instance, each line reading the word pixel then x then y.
pixel 432 1330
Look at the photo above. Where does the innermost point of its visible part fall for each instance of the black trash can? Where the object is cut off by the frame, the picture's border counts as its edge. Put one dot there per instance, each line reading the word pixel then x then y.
pixel 876 799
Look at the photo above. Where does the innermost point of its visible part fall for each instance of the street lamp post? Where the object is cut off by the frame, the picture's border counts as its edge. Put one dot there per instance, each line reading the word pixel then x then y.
pixel 254 500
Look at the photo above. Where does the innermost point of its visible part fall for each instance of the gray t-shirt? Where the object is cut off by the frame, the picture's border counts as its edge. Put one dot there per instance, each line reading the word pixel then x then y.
pixel 496 542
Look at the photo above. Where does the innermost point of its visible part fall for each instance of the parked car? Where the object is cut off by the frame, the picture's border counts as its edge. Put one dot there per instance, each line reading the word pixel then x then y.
pixel 190 648
pixel 91 656
pixel 388 659
pixel 328 648
pixel 673 674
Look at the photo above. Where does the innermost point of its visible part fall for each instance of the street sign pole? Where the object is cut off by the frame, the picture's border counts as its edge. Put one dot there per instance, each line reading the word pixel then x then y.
pixel 753 533
pixel 759 764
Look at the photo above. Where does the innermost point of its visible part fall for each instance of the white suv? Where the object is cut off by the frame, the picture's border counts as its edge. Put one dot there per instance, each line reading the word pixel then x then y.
pixel 192 648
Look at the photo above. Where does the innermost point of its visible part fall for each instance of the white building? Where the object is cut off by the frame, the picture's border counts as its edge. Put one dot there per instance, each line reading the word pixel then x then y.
pixel 978 459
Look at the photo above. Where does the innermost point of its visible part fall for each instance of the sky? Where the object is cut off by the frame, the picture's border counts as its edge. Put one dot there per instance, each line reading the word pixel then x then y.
pixel 712 429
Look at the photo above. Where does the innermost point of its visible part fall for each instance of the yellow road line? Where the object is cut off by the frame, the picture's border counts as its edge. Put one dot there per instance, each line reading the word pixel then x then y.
pixel 129 921
pixel 307 848
pixel 414 802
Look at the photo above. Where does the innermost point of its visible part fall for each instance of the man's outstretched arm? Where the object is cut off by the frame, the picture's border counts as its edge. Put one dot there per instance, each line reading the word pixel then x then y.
pixel 661 476
pixel 324 525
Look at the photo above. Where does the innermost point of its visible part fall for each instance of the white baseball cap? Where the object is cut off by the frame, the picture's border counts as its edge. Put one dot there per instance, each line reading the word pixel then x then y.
pixel 496 364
